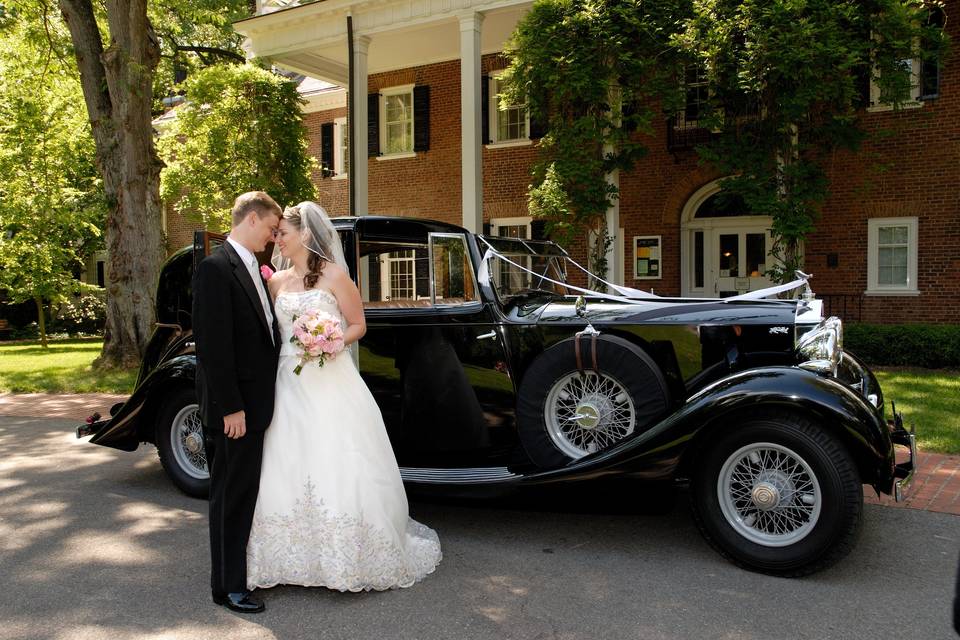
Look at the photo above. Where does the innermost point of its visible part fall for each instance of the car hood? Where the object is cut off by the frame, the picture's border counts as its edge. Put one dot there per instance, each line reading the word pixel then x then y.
pixel 671 311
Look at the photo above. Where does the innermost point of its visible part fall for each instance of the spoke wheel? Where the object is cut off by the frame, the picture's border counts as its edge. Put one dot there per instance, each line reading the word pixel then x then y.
pixel 777 493
pixel 180 442
pixel 186 441
pixel 586 413
pixel 769 494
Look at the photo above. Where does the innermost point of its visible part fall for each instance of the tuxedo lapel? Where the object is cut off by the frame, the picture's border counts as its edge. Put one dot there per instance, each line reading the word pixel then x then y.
pixel 243 276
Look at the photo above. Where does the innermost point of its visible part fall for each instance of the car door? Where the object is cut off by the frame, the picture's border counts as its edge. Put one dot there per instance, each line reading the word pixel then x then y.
pixel 433 354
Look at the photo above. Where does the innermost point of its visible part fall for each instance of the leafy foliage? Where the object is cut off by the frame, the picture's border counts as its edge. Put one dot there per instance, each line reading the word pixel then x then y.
pixel 240 130
pixel 51 201
pixel 786 81
pixel 592 70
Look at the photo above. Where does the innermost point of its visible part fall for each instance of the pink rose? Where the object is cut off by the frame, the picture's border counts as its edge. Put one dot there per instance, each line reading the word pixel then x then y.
pixel 266 272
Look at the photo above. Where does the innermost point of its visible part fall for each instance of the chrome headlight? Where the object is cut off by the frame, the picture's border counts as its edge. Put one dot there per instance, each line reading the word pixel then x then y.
pixel 820 349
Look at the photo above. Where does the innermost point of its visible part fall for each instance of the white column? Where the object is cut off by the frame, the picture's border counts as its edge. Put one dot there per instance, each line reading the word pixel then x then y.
pixel 471 158
pixel 358 116
pixel 614 252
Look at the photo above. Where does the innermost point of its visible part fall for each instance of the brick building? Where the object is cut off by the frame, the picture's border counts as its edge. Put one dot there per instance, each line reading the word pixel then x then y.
pixel 887 248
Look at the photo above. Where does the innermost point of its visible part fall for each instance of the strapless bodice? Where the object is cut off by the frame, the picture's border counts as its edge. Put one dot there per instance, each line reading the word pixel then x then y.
pixel 294 303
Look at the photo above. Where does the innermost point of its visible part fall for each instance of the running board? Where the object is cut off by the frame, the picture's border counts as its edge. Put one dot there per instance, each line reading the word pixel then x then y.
pixel 479 475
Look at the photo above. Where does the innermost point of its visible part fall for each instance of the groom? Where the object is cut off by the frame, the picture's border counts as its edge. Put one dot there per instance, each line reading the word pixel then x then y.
pixel 238 343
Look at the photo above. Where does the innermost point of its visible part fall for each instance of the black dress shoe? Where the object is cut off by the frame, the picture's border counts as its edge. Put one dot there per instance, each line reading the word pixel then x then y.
pixel 240 602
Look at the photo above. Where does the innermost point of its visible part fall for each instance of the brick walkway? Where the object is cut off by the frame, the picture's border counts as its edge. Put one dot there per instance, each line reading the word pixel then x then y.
pixel 936 486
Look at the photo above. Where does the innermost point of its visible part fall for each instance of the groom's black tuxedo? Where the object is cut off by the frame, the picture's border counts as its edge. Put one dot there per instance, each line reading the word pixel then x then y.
pixel 236 370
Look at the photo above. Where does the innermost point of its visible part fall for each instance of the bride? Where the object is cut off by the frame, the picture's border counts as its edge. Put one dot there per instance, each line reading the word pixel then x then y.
pixel 331 509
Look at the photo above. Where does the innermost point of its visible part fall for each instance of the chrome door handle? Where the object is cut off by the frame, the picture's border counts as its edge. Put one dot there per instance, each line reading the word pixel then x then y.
pixel 492 334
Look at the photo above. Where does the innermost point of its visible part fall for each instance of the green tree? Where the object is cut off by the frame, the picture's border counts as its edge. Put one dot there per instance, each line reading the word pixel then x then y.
pixel 240 130
pixel 51 199
pixel 787 79
pixel 118 52
pixel 594 70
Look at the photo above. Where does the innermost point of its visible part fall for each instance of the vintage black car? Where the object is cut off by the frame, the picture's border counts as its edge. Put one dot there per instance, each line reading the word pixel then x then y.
pixel 492 373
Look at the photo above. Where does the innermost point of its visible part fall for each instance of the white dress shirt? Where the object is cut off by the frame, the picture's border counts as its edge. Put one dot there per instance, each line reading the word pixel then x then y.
pixel 253 269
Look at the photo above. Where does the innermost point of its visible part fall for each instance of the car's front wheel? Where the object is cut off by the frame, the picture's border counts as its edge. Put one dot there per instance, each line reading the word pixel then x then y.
pixel 779 495
pixel 179 438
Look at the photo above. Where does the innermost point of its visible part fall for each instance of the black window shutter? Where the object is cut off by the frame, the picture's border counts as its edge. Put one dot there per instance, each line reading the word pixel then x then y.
pixel 629 110
pixel 373 124
pixel 538 230
pixel 861 81
pixel 930 66
pixel 421 118
pixel 485 109
pixel 326 149
pixel 487 228
pixel 538 128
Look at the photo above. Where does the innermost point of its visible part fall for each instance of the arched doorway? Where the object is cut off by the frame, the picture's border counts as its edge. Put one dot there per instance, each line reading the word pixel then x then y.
pixel 724 250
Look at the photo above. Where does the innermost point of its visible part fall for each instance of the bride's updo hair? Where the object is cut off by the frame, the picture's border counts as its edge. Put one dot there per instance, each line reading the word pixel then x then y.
pixel 314 261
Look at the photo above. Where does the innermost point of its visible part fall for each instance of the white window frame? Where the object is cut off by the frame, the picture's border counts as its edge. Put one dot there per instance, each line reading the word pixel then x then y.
pixel 496 223
pixel 339 149
pixel 396 91
pixel 913 102
pixel 387 266
pixel 493 115
pixel 873 257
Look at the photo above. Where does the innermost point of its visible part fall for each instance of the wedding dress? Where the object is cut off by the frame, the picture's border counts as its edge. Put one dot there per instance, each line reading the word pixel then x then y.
pixel 331 510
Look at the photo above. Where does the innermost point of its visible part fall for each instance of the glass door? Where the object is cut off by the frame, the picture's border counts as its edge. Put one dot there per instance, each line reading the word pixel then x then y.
pixel 740 259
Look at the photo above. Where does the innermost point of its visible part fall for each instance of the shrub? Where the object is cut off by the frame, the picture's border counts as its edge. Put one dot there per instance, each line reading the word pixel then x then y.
pixel 84 315
pixel 907 345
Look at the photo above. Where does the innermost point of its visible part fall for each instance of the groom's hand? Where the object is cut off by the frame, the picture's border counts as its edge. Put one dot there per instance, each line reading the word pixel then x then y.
pixel 235 425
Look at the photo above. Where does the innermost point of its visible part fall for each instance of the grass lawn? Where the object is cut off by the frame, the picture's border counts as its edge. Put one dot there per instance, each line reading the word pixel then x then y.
pixel 62 367
pixel 928 398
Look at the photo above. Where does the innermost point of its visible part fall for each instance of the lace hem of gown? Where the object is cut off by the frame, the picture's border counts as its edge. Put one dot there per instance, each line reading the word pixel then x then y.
pixel 314 547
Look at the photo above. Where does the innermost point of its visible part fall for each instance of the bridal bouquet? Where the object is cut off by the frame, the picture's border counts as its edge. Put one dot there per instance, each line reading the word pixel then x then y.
pixel 318 335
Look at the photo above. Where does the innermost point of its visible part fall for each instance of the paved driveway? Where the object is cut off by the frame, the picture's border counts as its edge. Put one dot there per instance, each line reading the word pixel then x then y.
pixel 95 543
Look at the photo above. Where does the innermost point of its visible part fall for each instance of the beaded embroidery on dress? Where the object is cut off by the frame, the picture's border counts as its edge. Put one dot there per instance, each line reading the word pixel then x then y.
pixel 331 510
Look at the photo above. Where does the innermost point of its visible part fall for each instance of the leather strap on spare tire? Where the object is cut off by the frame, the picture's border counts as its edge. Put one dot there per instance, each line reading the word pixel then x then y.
pixel 593 351
pixel 612 356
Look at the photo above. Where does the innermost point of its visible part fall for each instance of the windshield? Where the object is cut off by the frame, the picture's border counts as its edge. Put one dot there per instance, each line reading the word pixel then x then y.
pixel 524 266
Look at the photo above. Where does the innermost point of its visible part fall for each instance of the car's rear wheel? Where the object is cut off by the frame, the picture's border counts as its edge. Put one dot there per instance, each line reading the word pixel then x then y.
pixel 778 495
pixel 565 413
pixel 179 438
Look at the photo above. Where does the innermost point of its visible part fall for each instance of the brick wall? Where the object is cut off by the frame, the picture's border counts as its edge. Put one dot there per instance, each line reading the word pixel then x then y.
pixel 919 150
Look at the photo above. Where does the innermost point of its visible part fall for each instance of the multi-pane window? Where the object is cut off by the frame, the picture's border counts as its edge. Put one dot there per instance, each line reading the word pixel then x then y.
pixel 397 121
pixel 697 93
pixel 509 122
pixel 892 255
pixel 341 151
pixel 400 267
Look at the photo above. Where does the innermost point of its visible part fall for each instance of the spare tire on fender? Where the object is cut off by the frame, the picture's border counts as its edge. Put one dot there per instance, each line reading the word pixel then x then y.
pixel 565 413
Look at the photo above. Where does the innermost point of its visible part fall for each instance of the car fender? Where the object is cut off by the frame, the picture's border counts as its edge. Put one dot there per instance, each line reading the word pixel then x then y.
pixel 133 422
pixel 670 448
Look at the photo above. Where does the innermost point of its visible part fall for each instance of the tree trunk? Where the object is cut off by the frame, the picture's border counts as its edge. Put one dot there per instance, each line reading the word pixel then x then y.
pixel 42 321
pixel 117 88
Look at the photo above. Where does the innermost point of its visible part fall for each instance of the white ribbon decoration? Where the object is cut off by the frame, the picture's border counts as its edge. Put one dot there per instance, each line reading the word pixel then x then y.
pixel 628 295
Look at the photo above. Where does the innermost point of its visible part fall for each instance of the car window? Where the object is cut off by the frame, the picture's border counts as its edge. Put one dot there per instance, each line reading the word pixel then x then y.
pixel 394 275
pixel 453 278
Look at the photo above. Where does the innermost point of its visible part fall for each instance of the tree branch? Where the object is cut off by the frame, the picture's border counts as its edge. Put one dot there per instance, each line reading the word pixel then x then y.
pixel 225 53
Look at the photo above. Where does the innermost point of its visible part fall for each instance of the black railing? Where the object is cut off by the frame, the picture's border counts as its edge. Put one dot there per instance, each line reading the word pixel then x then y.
pixel 846 306
pixel 685 134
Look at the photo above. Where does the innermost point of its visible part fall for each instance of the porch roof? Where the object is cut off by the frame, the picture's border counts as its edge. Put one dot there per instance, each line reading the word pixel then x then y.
pixel 311 38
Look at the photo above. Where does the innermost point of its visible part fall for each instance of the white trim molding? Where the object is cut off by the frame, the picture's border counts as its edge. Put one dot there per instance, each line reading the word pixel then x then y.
pixel 910 243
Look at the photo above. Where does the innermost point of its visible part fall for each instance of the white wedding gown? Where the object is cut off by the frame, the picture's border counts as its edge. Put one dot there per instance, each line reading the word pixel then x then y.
pixel 331 509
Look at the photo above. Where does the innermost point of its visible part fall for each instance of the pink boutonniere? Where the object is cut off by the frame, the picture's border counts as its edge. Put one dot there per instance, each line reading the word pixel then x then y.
pixel 266 272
